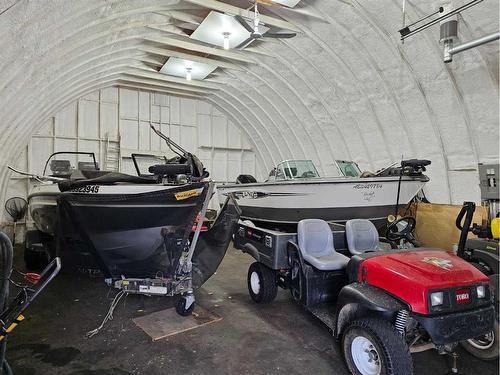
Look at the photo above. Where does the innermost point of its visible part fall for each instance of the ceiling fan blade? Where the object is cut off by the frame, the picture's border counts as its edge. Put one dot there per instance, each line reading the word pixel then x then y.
pixel 245 43
pixel 244 23
pixel 279 35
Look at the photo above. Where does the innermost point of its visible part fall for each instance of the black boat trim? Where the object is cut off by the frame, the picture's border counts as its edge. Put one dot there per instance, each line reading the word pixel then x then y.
pixel 294 215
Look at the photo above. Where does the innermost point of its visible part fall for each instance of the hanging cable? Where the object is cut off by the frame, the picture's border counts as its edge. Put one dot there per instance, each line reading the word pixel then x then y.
pixel 109 315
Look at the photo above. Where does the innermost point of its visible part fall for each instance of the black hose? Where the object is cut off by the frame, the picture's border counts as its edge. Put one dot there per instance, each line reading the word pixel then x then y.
pixel 6 254
pixel 468 211
pixel 399 191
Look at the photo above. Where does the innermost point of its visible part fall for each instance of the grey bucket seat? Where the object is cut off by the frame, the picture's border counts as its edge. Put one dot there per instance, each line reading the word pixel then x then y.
pixel 315 240
pixel 362 236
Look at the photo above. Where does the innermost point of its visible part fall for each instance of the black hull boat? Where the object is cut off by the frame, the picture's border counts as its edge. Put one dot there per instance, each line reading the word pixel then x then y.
pixel 132 235
pixel 142 228
pixel 145 235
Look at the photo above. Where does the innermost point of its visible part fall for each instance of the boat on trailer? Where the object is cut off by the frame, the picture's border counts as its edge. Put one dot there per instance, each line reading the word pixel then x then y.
pixel 146 226
pixel 295 191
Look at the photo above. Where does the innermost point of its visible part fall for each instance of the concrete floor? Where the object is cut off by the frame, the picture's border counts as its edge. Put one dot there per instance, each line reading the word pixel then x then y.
pixel 280 338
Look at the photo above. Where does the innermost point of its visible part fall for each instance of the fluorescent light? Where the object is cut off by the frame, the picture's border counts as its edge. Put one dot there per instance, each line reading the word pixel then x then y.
pixel 178 68
pixel 188 74
pixel 288 3
pixel 226 39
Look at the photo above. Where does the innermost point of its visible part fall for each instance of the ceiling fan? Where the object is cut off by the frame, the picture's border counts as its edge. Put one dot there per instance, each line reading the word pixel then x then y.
pixel 254 31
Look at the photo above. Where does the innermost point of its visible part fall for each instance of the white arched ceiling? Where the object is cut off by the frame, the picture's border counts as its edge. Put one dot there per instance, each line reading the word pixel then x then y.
pixel 344 88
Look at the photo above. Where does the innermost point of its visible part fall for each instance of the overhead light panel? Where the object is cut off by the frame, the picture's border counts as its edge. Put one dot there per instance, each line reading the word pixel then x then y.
pixel 288 3
pixel 190 70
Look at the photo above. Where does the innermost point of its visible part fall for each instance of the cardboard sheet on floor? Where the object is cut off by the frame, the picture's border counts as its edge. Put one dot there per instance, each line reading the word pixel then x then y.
pixel 161 324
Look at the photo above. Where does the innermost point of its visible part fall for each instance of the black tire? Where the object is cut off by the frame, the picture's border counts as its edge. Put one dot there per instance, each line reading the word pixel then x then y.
pixel 297 281
pixel 482 347
pixel 483 268
pixel 36 250
pixel 35 260
pixel 180 307
pixel 386 347
pixel 261 282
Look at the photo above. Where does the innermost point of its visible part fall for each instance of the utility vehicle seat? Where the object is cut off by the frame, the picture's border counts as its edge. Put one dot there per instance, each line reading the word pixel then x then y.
pixel 362 236
pixel 315 240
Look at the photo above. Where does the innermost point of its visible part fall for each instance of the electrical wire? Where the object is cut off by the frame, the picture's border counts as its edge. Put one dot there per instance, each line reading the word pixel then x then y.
pixel 109 315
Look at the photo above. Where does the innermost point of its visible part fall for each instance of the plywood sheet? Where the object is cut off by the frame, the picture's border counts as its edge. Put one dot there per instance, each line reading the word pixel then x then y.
pixel 166 323
pixel 436 224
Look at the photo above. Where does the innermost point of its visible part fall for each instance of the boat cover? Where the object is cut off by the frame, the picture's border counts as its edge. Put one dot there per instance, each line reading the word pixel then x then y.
pixel 102 178
pixel 132 235
pixel 212 245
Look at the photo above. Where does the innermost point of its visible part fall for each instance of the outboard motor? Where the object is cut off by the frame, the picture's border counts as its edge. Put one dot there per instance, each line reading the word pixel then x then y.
pixel 414 167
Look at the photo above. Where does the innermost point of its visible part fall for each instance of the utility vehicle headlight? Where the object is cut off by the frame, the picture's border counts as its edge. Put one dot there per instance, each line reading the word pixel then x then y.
pixel 481 291
pixel 437 298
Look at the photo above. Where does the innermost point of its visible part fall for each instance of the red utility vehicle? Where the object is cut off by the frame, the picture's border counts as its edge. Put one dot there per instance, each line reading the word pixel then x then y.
pixel 380 304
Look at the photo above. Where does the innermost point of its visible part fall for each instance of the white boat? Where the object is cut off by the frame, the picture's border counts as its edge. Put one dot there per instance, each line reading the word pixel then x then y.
pixel 296 191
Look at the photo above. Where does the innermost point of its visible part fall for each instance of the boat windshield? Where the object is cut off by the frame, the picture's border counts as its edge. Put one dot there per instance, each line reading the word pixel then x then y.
pixel 64 163
pixel 348 168
pixel 296 169
pixel 142 162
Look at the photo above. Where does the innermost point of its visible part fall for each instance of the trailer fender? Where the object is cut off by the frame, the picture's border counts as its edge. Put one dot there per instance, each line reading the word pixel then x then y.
pixel 356 300
pixel 251 250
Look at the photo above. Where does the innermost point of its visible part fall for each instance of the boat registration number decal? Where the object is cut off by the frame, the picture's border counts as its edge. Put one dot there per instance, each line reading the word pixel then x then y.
pixel 186 194
pixel 88 189
pixel 367 186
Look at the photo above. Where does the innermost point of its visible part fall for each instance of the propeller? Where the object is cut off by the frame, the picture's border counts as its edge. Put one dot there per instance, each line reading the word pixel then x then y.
pixel 255 33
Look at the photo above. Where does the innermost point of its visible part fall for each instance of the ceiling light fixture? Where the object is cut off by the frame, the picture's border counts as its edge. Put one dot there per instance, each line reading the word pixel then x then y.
pixel 188 74
pixel 226 39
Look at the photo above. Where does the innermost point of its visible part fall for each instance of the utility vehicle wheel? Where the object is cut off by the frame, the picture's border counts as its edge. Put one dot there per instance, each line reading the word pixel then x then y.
pixel 261 282
pixel 484 347
pixel 181 308
pixel 296 280
pixel 373 347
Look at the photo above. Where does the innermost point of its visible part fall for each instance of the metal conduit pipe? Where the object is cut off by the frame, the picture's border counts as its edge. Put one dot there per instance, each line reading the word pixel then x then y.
pixel 449 50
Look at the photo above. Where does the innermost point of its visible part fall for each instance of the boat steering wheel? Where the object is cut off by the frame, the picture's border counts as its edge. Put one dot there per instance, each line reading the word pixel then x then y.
pixel 395 232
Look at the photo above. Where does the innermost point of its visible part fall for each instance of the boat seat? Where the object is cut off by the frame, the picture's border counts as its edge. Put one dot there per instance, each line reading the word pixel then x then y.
pixel 362 236
pixel 315 240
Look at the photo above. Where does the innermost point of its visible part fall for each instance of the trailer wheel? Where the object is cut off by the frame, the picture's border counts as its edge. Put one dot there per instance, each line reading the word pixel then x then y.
pixel 261 282
pixel 185 306
pixel 36 251
pixel 372 346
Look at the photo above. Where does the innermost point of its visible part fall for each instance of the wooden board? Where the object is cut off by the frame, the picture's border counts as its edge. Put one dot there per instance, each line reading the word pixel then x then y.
pixel 436 224
pixel 167 322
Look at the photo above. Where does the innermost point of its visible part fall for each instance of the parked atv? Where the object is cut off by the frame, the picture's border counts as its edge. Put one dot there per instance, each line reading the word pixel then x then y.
pixel 381 305
pixel 482 253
